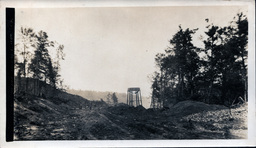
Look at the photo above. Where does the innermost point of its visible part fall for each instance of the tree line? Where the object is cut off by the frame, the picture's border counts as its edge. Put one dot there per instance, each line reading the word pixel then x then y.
pixel 34 63
pixel 214 74
pixel 111 98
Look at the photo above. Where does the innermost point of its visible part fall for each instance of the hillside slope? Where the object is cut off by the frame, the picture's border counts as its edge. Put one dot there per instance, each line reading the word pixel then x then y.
pixel 71 117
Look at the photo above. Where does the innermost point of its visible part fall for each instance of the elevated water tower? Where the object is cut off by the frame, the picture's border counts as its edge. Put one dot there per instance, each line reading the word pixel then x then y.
pixel 134 96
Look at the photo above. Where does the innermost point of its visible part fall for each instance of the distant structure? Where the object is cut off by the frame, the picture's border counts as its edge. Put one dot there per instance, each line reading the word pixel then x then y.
pixel 134 96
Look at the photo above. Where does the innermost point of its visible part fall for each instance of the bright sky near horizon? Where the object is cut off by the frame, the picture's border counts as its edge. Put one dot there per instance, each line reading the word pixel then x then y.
pixel 111 49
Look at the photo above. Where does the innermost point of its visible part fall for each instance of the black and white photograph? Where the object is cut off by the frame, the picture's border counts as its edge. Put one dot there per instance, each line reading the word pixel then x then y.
pixel 131 73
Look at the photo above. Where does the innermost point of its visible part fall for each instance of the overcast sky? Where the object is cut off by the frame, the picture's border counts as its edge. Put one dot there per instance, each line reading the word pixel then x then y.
pixel 111 49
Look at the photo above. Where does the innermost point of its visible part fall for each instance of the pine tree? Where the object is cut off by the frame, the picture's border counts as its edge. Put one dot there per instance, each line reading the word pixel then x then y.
pixel 27 40
pixel 114 98
pixel 242 40
pixel 178 69
pixel 40 62
pixel 109 96
pixel 56 67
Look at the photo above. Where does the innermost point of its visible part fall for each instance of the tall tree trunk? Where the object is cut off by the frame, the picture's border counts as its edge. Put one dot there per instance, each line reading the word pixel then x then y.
pixel 224 88
pixel 191 85
pixel 19 82
pixel 245 79
pixel 38 88
pixel 182 86
pixel 211 72
pixel 164 91
pixel 34 86
pixel 25 75
pixel 161 88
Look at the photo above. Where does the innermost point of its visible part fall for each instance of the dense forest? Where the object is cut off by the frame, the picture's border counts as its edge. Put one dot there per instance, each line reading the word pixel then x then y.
pixel 36 68
pixel 215 74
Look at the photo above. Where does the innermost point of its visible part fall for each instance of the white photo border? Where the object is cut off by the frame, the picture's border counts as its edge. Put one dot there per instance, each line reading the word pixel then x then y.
pixel 251 141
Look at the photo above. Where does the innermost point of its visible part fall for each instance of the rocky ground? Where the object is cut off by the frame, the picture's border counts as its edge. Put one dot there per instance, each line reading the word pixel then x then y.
pixel 70 117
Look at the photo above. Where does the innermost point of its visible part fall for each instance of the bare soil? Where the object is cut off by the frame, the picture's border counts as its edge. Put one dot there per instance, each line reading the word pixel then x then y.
pixel 70 117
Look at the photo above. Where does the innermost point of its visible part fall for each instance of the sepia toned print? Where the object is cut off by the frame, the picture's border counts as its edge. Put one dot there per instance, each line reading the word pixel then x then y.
pixel 131 73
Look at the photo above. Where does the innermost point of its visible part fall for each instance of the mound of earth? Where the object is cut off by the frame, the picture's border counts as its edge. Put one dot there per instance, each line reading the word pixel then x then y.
pixel 124 109
pixel 191 107
pixel 40 118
